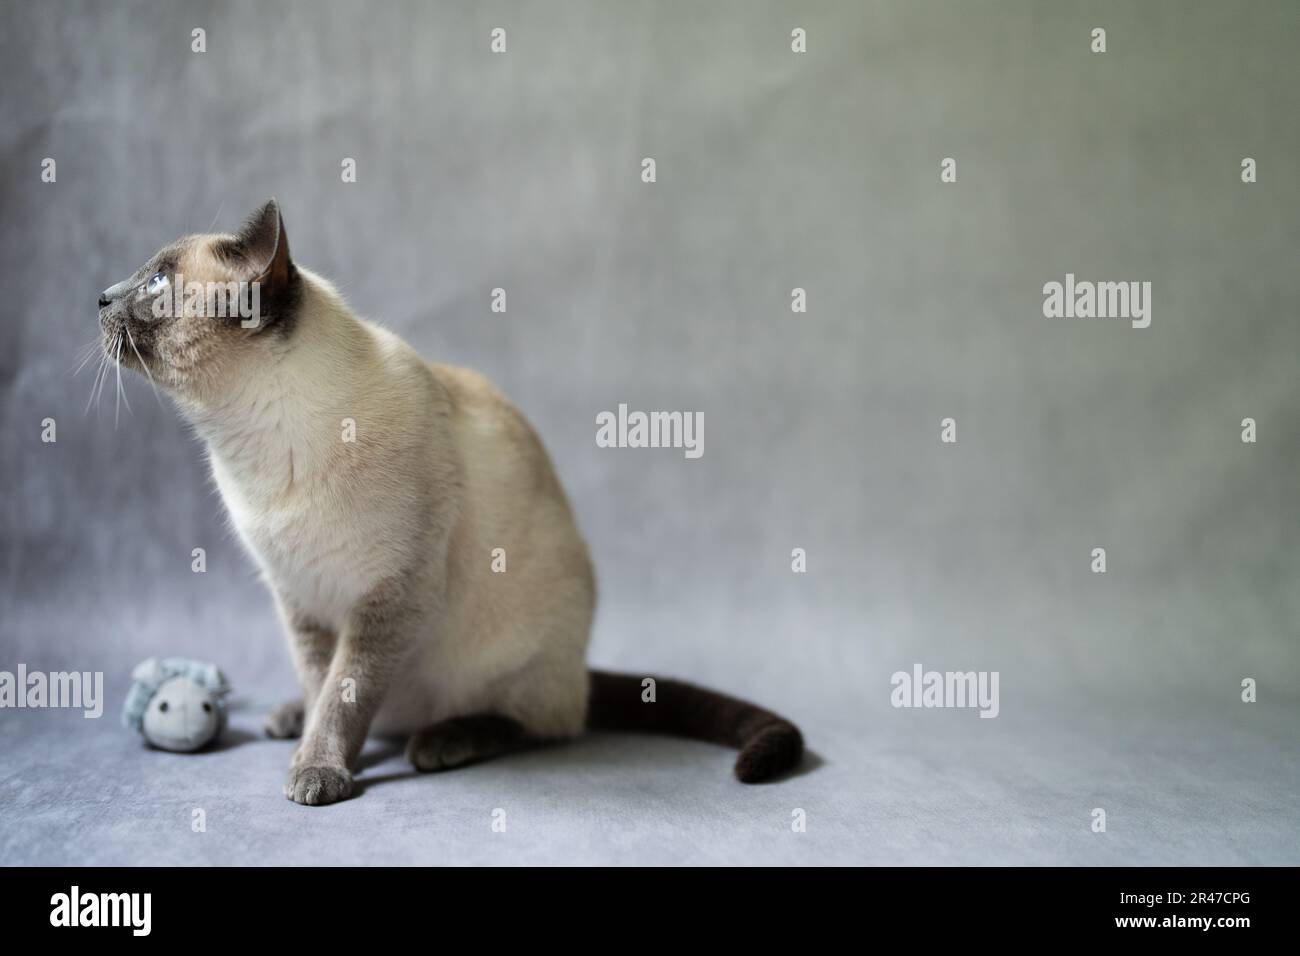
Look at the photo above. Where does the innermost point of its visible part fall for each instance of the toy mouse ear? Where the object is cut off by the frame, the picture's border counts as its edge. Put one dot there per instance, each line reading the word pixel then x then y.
pixel 148 671
pixel 214 680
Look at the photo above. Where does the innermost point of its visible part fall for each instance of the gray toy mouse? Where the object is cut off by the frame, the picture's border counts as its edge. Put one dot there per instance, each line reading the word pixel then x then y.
pixel 177 704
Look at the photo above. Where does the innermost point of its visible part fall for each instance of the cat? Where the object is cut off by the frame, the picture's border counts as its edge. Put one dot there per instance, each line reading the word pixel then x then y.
pixel 371 488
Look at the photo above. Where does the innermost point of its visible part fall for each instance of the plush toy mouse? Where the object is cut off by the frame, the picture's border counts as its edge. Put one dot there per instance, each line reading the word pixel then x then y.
pixel 177 704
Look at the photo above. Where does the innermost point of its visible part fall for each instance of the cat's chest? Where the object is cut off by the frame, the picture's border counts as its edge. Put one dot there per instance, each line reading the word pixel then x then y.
pixel 314 547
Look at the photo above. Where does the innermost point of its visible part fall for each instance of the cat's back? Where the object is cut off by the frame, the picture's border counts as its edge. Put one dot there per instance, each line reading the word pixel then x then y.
pixel 511 489
pixel 492 432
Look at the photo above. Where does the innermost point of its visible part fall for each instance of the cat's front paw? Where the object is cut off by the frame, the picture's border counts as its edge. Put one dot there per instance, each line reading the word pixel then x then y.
pixel 286 721
pixel 316 786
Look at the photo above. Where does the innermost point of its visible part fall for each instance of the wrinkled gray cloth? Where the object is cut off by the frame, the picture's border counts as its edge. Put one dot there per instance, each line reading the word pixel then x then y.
pixel 775 171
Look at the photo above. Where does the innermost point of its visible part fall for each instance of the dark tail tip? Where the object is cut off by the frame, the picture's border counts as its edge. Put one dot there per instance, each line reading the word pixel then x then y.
pixel 769 745
pixel 772 751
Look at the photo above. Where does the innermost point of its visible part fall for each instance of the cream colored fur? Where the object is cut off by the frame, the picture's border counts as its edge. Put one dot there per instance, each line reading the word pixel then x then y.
pixel 379 495
pixel 443 470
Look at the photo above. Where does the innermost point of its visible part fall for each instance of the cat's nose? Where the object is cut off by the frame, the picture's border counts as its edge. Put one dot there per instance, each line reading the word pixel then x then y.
pixel 103 299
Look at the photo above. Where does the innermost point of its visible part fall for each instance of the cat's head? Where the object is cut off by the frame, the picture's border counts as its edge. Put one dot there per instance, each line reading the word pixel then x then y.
pixel 204 305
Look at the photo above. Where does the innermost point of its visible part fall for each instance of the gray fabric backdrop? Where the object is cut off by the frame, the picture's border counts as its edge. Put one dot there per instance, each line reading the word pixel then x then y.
pixel 775 170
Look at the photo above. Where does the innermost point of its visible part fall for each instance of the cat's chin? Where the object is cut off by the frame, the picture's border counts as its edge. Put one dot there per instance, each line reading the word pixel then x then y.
pixel 136 363
pixel 132 354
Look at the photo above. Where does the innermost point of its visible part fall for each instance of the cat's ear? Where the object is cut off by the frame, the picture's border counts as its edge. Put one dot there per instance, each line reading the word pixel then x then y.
pixel 260 254
pixel 263 247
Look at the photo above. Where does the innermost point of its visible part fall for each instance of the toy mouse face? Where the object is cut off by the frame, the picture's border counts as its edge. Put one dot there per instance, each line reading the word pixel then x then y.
pixel 182 715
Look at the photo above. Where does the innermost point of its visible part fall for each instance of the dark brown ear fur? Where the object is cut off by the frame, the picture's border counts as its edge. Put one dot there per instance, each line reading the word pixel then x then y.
pixel 260 250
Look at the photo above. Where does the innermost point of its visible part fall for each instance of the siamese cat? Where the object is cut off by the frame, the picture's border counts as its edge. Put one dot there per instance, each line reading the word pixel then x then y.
pixel 372 488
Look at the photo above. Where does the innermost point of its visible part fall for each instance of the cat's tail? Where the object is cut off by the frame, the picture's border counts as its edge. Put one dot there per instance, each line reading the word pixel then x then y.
pixel 769 745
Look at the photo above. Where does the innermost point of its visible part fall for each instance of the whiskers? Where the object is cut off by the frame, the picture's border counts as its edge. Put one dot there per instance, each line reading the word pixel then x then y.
pixel 121 392
pixel 110 361
pixel 144 365
pixel 86 353
pixel 110 355
pixel 96 383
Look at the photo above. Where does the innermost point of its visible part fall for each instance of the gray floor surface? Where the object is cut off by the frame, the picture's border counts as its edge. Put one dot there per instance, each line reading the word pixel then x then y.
pixel 915 788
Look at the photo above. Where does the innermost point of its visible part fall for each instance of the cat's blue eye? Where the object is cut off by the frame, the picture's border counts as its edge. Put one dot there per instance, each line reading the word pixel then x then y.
pixel 156 284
